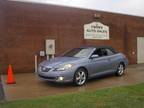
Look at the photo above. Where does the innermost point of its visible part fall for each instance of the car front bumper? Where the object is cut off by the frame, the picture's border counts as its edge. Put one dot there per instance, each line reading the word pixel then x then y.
pixel 57 76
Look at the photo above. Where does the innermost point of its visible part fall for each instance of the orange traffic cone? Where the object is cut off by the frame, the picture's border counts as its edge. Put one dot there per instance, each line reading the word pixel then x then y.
pixel 10 78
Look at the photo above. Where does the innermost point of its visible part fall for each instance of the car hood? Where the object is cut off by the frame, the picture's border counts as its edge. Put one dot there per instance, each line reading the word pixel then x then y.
pixel 57 61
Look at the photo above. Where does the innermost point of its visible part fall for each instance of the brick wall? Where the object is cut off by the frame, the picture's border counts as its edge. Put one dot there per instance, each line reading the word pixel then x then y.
pixel 2 35
pixel 28 25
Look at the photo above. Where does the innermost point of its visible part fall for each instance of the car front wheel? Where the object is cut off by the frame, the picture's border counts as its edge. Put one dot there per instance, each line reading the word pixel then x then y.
pixel 80 77
pixel 120 70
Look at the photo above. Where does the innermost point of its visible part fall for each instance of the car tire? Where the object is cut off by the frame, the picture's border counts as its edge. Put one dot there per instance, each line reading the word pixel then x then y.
pixel 120 69
pixel 80 77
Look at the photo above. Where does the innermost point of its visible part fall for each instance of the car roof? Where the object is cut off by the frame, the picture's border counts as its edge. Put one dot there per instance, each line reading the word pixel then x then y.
pixel 100 46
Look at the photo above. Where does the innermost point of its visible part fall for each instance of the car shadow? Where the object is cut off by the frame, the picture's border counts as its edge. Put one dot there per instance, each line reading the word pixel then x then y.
pixel 101 77
pixel 58 85
pixel 71 85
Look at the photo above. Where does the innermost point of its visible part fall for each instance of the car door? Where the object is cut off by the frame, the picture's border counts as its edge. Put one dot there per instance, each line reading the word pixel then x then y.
pixel 112 58
pixel 99 64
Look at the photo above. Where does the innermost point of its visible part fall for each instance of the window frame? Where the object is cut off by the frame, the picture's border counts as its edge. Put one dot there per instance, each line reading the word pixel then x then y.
pixel 105 48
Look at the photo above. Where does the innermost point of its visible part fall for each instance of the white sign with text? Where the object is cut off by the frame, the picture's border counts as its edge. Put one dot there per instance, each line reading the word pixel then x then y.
pixel 96 30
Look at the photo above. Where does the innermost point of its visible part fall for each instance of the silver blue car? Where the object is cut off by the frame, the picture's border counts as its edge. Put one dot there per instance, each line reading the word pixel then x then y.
pixel 80 64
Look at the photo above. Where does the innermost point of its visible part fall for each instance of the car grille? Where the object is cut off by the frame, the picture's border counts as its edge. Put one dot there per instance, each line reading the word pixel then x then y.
pixel 45 69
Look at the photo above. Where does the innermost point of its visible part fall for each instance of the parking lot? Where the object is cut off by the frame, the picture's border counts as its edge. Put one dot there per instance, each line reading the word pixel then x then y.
pixel 28 85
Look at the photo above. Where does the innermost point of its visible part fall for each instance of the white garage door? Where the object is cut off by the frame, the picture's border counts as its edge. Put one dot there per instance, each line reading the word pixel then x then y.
pixel 140 50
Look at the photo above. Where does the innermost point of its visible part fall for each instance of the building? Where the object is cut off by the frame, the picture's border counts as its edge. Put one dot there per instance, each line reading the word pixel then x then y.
pixel 24 27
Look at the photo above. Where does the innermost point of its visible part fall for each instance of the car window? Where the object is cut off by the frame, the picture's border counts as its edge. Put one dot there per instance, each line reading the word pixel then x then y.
pixel 109 52
pixel 79 52
pixel 100 52
pixel 103 52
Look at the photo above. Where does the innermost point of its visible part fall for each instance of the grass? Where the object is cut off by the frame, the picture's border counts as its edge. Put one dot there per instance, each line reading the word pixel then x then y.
pixel 119 97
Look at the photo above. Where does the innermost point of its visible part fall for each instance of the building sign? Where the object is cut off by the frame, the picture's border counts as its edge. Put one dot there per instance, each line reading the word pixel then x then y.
pixel 50 46
pixel 96 30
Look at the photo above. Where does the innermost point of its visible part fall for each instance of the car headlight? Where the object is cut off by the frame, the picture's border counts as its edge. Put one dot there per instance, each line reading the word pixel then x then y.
pixel 44 69
pixel 64 67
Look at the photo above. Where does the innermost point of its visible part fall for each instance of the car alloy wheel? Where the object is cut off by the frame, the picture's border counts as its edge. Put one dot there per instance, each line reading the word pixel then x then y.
pixel 120 70
pixel 80 77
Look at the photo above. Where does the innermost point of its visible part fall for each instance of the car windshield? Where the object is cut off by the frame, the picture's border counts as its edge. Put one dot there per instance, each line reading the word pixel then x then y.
pixel 78 52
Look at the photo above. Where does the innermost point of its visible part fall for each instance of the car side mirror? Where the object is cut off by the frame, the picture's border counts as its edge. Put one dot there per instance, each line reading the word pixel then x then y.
pixel 94 56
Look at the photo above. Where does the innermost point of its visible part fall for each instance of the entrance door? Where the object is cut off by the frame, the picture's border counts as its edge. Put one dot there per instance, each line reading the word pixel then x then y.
pixel 140 49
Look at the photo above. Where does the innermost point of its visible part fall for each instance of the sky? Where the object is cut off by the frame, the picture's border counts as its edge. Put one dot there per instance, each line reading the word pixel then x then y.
pixel 130 7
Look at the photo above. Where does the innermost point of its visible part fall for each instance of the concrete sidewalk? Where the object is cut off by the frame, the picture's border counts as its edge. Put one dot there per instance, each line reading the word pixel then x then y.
pixel 1 91
pixel 28 85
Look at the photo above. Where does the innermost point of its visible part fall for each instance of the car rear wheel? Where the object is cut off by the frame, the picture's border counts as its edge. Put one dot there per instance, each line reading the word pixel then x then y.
pixel 80 77
pixel 120 70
